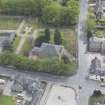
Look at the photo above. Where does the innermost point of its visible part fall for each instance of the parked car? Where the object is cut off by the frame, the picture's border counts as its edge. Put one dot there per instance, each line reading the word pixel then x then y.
pixel 102 84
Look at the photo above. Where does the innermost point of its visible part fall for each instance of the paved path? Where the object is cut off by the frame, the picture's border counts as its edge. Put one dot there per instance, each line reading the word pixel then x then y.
pixel 20 46
pixel 20 27
pixel 23 39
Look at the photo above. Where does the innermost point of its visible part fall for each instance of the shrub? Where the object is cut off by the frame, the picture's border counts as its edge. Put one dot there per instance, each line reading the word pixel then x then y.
pixel 53 66
pixel 97 93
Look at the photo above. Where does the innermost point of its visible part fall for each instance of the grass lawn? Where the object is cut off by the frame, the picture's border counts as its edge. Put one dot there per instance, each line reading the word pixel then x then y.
pixel 27 47
pixel 9 23
pixel 7 100
pixel 93 100
pixel 69 40
pixel 16 42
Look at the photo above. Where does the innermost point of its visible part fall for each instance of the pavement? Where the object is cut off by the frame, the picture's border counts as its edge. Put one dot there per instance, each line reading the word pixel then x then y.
pixel 20 46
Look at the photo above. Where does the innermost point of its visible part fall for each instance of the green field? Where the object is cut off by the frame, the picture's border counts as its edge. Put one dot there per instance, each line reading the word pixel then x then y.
pixel 9 23
pixel 7 100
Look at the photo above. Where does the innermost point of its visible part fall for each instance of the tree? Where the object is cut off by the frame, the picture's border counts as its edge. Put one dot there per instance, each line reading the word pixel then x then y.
pixel 40 40
pixel 47 35
pixel 57 37
pixel 51 14
pixel 65 59
pixel 97 93
pixel 89 34
pixel 91 21
pixel 64 2
pixel 73 7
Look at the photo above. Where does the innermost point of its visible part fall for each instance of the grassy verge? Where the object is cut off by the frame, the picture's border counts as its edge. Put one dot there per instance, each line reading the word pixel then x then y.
pixel 96 99
pixel 7 100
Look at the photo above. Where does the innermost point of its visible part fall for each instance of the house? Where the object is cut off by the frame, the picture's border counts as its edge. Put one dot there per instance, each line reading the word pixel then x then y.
pixel 97 45
pixel 100 8
pixel 95 64
pixel 97 69
pixel 17 88
pixel 21 83
pixel 5 39
pixel 48 50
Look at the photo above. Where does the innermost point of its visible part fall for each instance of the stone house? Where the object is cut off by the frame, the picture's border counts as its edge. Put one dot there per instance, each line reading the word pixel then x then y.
pixel 100 8
pixel 95 64
pixel 47 50
pixel 96 45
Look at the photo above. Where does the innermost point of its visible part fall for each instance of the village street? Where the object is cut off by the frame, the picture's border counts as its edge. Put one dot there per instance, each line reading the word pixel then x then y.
pixel 80 79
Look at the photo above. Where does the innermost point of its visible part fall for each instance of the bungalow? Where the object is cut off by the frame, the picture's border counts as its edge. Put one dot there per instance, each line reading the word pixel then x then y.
pixel 48 50
pixel 97 45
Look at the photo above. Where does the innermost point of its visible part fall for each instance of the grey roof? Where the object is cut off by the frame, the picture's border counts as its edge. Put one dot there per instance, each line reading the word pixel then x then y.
pixel 17 87
pixel 3 40
pixel 6 37
pixel 49 50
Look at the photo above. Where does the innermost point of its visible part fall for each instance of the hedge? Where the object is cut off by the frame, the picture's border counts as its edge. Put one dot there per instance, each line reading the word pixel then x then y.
pixel 53 66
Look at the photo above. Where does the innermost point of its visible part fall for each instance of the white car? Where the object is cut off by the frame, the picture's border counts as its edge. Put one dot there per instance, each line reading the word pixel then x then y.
pixel 102 84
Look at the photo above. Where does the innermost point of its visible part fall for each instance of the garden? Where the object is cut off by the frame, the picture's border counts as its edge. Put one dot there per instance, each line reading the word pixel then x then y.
pixel 68 38
pixel 7 100
pixel 53 66
pixel 95 26
pixel 97 98
pixel 48 12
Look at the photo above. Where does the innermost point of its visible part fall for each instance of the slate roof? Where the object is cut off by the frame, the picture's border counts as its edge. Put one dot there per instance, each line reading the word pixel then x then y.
pixel 48 50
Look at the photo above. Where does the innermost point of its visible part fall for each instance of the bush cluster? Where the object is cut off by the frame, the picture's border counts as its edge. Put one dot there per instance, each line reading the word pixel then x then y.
pixel 50 12
pixel 53 66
